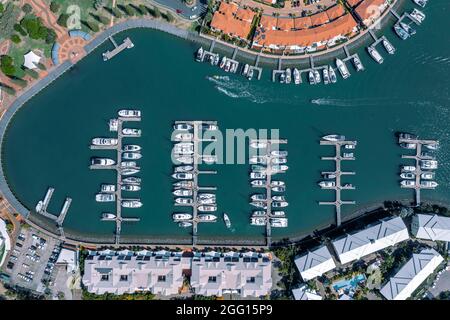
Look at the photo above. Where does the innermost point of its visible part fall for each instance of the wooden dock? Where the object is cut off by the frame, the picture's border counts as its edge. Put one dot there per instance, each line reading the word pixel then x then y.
pixel 338 172
pixel 126 44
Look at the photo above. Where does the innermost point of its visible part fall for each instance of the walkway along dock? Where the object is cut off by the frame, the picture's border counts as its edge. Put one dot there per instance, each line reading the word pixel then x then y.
pixel 42 208
pixel 338 172
pixel 197 139
pixel 127 44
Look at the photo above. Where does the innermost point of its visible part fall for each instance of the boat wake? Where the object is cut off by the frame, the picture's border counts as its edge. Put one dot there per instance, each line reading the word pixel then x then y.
pixel 366 102
pixel 236 89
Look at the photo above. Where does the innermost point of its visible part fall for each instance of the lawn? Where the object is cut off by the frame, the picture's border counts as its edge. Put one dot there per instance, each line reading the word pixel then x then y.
pixel 17 52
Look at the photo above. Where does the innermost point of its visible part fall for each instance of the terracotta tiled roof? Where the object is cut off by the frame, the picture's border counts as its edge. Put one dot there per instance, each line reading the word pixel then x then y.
pixel 369 8
pixel 230 25
pixel 228 8
pixel 353 3
pixel 285 24
pixel 245 14
pixel 268 22
pixel 335 12
pixel 302 23
pixel 319 18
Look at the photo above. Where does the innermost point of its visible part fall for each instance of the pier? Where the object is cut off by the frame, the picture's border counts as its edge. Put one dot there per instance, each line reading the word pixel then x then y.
pixel 268 184
pixel 351 57
pixel 197 159
pixel 379 40
pixel 43 210
pixel 405 15
pixel 126 44
pixel 418 157
pixel 338 172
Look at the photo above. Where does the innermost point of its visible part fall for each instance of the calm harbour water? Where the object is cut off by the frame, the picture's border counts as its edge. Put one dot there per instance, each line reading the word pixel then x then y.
pixel 48 140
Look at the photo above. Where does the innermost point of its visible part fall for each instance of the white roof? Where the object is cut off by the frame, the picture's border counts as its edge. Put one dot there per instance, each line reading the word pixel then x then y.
pixel 411 275
pixel 31 60
pixel 315 263
pixel 4 240
pixel 383 234
pixel 68 257
pixel 304 293
pixel 431 227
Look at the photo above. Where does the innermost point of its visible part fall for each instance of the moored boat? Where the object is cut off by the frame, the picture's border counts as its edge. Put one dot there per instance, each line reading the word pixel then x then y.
pixel 104 141
pixel 388 46
pixel 199 55
pixel 131 148
pixel 130 187
pixel 102 162
pixel 333 137
pixel 128 171
pixel 131 203
pixel 207 217
pixel 129 113
pixel 226 220
pixel 326 77
pixel 131 155
pixel 108 188
pixel 401 32
pixel 182 126
pixel 333 78
pixel 181 216
pixel 105 197
pixel 296 74
pixel 375 55
pixel 182 176
pixel 342 68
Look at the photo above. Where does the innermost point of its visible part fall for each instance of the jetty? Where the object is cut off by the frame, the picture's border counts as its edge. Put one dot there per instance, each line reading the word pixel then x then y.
pixel 268 184
pixel 197 160
pixel 338 158
pixel 418 157
pixel 42 208
pixel 126 44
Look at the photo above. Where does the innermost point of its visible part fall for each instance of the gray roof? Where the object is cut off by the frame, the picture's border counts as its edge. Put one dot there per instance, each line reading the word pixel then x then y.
pixel 431 227
pixel 319 259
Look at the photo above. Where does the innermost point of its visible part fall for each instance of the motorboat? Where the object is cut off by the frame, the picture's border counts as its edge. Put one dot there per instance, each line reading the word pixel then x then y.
pixel 277 183
pixel 183 169
pixel 104 142
pixel 183 176
pixel 207 208
pixel 184 184
pixel 102 162
pixel 278 189
pixel 259 213
pixel 223 62
pixel 227 66
pixel 245 69
pixel 211 201
pixel 280 160
pixel 428 164
pixel 131 203
pixel 280 204
pixel 113 125
pixel 279 153
pixel 408 168
pixel 183 136
pixel 357 63
pixel 130 187
pixel 211 127
pixel 278 198
pixel 427 155
pixel 108 188
pixel 411 31
pixel 432 146
pixel 329 175
pixel 182 193
pixel 105 197
pixel 333 137
pixel 347 155
pixel 278 213
pixel 209 159
pixel 311 78
pixel 375 55
pixel 258 160
pixel 350 146
pixel 259 204
pixel 184 224
pixel 407 175
pixel 407 136
pixel 408 145
pixel 206 196
pixel 184 159
pixel 408 183
pixel 278 222
pixel 257 175
pixel 258 144
pixel 186 201
pixel 226 220
pixel 259 197
pixel 342 68
pixel 107 216
pixel 388 46
pixel 278 168
pixel 258 168
pixel 427 175
pixel 258 221
pixel 333 77
pixel 326 76
pixel 129 113
pixel 401 32
pixel 131 132
pixel 129 171
pixel 417 15
pixel 283 77
pixel 428 184
pixel 250 74
pixel 421 3
pixel 39 206
pixel 181 216
pixel 288 76
pixel 131 155
pixel 128 164
pixel 317 76
pixel 199 55
pixel 296 74
pixel 258 183
pixel 131 148
pixel 327 184
pixel 207 217
pixel 182 127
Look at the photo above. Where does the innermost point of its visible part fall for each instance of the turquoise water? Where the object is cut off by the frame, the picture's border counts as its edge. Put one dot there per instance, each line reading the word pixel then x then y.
pixel 47 143
pixel 349 284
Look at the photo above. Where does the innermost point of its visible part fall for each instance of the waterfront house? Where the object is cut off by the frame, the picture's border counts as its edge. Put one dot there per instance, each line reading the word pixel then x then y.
pixel 244 276
pixel 370 10
pixel 232 20
pixel 303 293
pixel 411 275
pixel 385 233
pixel 431 227
pixel 314 263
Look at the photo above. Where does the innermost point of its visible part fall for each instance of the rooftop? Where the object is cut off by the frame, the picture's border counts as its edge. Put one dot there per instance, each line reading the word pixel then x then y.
pixel 315 263
pixel 431 227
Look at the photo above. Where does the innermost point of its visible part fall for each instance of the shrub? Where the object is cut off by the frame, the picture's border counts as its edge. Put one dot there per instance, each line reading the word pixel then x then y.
pixel 91 25
pixel 62 20
pixel 41 66
pixel 7 65
pixel 116 13
pixel 27 8
pixel 8 90
pixel 156 12
pixel 54 7
pixel 20 82
pixel 19 29
pixel 144 9
pixel 51 36
pixel 130 10
pixel 32 73
pixel 34 27
pixel 15 38
pixel 169 17
pixel 2 8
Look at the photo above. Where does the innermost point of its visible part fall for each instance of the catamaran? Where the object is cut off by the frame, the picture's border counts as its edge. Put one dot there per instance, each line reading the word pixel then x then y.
pixel 417 15
pixel 296 76
pixel 401 32
pixel 375 55
pixel 411 31
pixel 342 68
pixel 421 3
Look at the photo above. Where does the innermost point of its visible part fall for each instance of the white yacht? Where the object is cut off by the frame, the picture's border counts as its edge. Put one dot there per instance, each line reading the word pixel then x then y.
pixel 226 220
pixel 411 31
pixel 428 164
pixel 113 125
pixel 135 203
pixel 408 145
pixel 259 197
pixel 258 160
pixel 311 78
pixel 206 196
pixel 258 221
pixel 288 76
pixel 199 55
pixel 259 204
pixel 388 46
pixel 131 155
pixel 184 136
pixel 375 55
pixel 207 208
pixel 408 168
pixel 357 63
pixel 258 183
pixel 349 146
pixel 327 184
pixel 102 162
pixel 250 74
pixel 278 189
pixel 428 184
pixel 333 137
pixel 259 213
pixel 296 74
pixel 333 78
pixel 187 201
pixel 209 159
pixel 245 70
pixel 342 68
pixel 280 204
pixel 326 76
pixel 280 160
pixel 129 172
pixel 279 222
pixel 278 198
pixel 432 146
pixel 131 148
pixel 184 184
pixel 131 132
pixel 107 216
pixel 277 183
pixel 258 168
pixel 427 175
pixel 105 197
pixel 130 187
pixel 183 169
pixel 108 188
pixel 181 216
pixel 184 224
pixel 257 175
pixel 127 113
pixel 281 167
pixel 223 62
pixel 210 127
pixel 421 3
pixel 104 141
pixel 183 176
pixel 408 183
pixel 278 213
pixel 183 127
pixel 279 153
pixel 407 175
pixel 184 159
pixel 401 32
pixel 317 76
pixel 128 164
pixel 258 145
pixel 207 217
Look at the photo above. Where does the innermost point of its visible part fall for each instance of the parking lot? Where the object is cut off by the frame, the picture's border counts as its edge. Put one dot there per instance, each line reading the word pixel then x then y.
pixel 32 260
pixel 441 283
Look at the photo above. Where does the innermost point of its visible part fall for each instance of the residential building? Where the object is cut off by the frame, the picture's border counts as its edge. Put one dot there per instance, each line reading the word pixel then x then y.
pixel 314 263
pixel 431 227
pixel 232 20
pixel 385 233
pixel 370 10
pixel 303 293
pixel 413 273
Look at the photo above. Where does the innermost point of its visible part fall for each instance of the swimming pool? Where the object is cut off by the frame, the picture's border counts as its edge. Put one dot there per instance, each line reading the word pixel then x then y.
pixel 349 284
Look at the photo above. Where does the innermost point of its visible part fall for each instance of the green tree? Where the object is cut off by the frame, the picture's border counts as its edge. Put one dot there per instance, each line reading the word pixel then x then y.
pixel 51 36
pixel 19 29
pixel 157 13
pixel 41 66
pixel 8 89
pixel 20 82
pixel 32 73
pixel 7 65
pixel 54 7
pixel 2 8
pixel 62 20
pixel 8 19
pixel 15 38
pixel 102 19
pixel 169 17
pixel 116 13
pixel 144 9
pixel 34 27
pixel 27 8
pixel 130 10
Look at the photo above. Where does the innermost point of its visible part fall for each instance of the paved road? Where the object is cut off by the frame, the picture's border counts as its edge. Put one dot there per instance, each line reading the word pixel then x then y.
pixel 183 10
pixel 441 284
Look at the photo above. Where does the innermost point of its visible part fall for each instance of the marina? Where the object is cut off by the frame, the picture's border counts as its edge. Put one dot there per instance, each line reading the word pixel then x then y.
pixel 338 142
